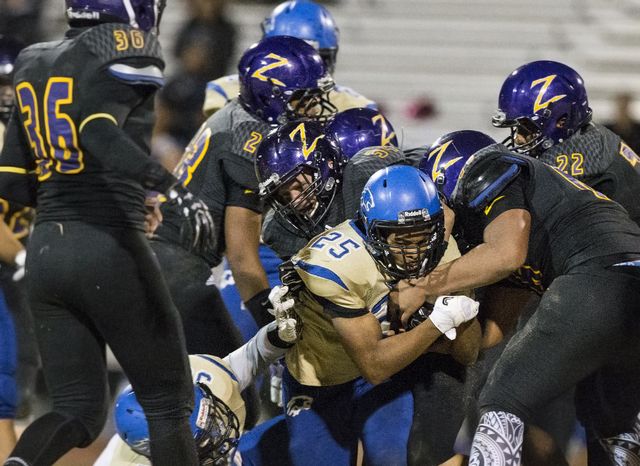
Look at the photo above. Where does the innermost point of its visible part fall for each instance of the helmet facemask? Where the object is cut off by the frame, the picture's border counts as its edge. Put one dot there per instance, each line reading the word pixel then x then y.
pixel 407 248
pixel 310 104
pixel 218 431
pixel 305 212
pixel 524 128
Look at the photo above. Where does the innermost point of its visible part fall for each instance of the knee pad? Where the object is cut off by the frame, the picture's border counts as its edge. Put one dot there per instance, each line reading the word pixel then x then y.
pixel 8 396
pixel 624 448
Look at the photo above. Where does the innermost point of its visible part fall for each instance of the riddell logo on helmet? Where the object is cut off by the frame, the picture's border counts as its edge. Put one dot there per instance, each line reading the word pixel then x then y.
pixel 83 14
pixel 409 214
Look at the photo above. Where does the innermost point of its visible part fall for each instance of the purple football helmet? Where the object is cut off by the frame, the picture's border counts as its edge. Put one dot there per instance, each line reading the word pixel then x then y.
pixel 308 21
pixel 283 79
pixel 9 50
pixel 544 103
pixel 299 169
pixel 446 157
pixel 140 14
pixel 358 128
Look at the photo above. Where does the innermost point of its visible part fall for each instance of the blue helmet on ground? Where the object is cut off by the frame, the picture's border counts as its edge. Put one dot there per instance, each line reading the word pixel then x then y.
pixel 403 221
pixel 308 21
pixel 214 425
pixel 140 14
pixel 544 103
pixel 299 169
pixel 357 128
pixel 444 160
pixel 283 79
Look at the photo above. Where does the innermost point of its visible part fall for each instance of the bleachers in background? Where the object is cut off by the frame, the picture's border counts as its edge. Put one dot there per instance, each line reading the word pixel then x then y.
pixel 458 52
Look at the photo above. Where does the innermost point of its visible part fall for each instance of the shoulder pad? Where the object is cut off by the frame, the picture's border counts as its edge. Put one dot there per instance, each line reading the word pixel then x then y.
pixel 112 42
pixel 219 92
pixel 485 175
pixel 390 154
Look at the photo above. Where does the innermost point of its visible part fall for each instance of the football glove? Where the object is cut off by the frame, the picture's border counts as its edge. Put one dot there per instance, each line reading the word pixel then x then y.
pixel 197 231
pixel 289 324
pixel 450 311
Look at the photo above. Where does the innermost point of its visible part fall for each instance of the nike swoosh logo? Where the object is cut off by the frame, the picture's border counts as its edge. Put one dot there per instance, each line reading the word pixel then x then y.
pixel 488 208
pixel 249 191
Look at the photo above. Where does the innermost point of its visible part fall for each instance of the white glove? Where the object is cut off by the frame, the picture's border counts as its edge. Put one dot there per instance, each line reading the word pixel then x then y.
pixel 289 324
pixel 19 261
pixel 450 311
pixel 276 383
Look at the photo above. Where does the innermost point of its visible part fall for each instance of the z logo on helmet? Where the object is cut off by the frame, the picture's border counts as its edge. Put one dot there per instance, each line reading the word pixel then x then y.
pixel 306 150
pixel 280 61
pixel 383 124
pixel 438 153
pixel 537 105
pixel 366 201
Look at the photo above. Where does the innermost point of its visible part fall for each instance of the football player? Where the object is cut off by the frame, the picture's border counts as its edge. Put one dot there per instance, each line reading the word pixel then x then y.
pixel 305 20
pixel 336 382
pixel 77 146
pixel 553 234
pixel 545 105
pixel 337 180
pixel 218 421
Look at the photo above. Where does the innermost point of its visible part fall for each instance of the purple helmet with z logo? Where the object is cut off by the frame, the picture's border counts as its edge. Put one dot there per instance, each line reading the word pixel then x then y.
pixel 446 157
pixel 140 14
pixel 357 128
pixel 282 79
pixel 544 103
pixel 299 169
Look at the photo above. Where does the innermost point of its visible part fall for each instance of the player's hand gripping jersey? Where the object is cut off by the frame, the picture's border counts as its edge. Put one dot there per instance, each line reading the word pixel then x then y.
pixel 341 280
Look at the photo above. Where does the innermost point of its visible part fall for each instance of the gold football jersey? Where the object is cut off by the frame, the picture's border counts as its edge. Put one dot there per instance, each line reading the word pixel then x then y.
pixel 221 90
pixel 338 272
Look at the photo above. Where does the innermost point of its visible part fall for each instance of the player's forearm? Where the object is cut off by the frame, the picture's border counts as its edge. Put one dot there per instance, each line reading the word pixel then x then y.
pixel 253 358
pixel 481 266
pixel 392 354
pixel 9 245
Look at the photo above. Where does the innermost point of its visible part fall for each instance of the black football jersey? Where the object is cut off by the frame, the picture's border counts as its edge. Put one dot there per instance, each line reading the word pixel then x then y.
pixel 108 71
pixel 599 158
pixel 218 168
pixel 285 242
pixel 571 223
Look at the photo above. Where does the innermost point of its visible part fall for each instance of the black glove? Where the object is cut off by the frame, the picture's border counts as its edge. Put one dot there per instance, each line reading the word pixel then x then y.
pixel 197 231
pixel 289 277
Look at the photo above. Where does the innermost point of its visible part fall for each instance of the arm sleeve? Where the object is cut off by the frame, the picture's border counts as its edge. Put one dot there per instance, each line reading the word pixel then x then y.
pixel 18 180
pixel 240 196
pixel 251 359
pixel 102 133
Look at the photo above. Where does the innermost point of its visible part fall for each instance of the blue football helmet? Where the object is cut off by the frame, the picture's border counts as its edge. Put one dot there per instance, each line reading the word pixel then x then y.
pixel 308 21
pixel 358 128
pixel 444 160
pixel 140 14
pixel 214 425
pixel 403 221
pixel 543 102
pixel 299 159
pixel 283 79
pixel 9 50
